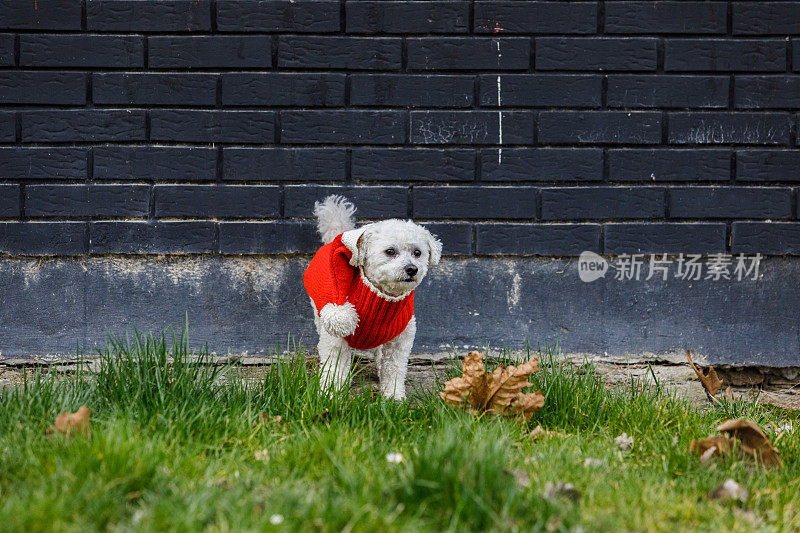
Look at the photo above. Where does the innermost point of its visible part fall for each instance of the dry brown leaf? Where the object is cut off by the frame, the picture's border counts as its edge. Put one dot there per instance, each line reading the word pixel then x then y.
pixel 498 393
pixel 711 382
pixel 754 441
pixel 74 423
pixel 527 404
pixel 721 443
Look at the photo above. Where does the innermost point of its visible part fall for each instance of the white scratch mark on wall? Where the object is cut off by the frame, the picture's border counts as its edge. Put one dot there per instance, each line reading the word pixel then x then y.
pixel 499 111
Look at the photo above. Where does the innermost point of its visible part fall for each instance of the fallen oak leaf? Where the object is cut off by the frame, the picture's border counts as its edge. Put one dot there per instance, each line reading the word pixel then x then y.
pixel 74 423
pixel 710 381
pixel 754 441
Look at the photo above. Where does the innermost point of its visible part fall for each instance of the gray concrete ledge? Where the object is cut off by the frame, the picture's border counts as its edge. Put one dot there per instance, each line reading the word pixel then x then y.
pixel 250 305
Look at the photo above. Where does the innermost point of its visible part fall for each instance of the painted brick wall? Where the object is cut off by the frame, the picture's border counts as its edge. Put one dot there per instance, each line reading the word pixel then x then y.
pixel 512 127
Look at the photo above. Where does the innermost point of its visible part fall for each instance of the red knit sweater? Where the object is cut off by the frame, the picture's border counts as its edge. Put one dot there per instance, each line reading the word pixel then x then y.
pixel 331 279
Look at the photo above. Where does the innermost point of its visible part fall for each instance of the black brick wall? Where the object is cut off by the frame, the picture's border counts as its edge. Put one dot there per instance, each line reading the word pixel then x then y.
pixel 510 127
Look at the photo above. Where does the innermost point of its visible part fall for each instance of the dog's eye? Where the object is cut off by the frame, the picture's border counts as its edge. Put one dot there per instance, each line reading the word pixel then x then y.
pixel 417 253
pixel 390 251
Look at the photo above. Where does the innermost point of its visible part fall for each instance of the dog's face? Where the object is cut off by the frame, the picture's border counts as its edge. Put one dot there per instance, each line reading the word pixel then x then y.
pixel 395 254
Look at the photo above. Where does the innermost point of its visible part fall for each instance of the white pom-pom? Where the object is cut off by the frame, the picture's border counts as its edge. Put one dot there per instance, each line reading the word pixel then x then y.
pixel 339 320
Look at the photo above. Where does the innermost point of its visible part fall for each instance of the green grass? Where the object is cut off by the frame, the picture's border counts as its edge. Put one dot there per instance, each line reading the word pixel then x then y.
pixel 173 446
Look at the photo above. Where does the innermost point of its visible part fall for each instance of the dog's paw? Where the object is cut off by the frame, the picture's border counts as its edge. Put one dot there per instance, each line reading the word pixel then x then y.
pixel 339 320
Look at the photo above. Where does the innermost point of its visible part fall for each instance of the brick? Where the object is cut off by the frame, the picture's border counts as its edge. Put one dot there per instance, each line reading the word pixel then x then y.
pixel 667 164
pixel 6 49
pixel 282 237
pixel 215 201
pixel 666 17
pixel 667 91
pixel 773 238
pixel 755 92
pixel 468 53
pixel 51 87
pixel 577 203
pixel 55 15
pixel 283 164
pixel 535 17
pixel 664 238
pixel 83 125
pixel 154 89
pixel 411 91
pixel 316 16
pixel 456 237
pixel 372 202
pixel 606 127
pixel 8 127
pixel 354 53
pixel 475 202
pixel 407 17
pixel 542 164
pixel 210 51
pixel 154 163
pixel 471 127
pixel 412 164
pixel 43 163
pixel 87 200
pixel 151 237
pixel 795 46
pixel 536 239
pixel 764 18
pixel 729 128
pixel 9 200
pixel 148 15
pixel 730 202
pixel 212 126
pixel 596 53
pixel 43 238
pixel 90 51
pixel 768 165
pixel 283 89
pixel 363 127
pixel 725 54
pixel 541 90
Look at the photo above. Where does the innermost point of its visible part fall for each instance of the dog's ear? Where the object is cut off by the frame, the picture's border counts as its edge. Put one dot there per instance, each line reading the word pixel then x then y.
pixel 351 240
pixel 434 249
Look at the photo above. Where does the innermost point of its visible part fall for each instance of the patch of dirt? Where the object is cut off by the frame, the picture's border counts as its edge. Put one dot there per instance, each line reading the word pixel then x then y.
pixel 776 386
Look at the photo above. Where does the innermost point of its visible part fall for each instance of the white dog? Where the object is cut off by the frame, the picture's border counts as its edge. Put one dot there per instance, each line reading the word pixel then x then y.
pixel 361 284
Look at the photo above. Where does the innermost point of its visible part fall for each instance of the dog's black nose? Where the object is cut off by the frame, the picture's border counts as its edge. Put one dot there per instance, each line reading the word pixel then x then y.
pixel 411 270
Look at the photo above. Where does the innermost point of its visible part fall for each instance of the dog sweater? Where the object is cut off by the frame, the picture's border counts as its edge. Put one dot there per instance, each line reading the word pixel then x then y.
pixel 348 304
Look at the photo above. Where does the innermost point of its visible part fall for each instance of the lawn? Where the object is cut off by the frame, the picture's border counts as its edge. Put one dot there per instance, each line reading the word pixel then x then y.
pixel 177 445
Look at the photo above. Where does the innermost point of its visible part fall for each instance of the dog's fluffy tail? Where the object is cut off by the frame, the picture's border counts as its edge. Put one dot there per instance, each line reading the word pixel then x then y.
pixel 335 214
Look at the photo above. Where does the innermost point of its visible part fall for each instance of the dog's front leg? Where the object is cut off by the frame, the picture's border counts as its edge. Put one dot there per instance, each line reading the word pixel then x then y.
pixel 335 357
pixel 392 362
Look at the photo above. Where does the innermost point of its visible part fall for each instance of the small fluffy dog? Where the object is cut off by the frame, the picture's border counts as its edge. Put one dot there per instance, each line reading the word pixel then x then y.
pixel 361 283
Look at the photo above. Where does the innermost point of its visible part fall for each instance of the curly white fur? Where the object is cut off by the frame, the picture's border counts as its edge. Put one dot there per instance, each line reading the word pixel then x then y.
pixel 339 320
pixel 335 215
pixel 385 273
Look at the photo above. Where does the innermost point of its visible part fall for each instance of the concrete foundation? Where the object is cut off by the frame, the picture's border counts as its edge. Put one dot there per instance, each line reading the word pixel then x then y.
pixel 249 305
